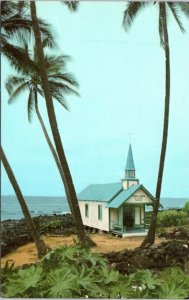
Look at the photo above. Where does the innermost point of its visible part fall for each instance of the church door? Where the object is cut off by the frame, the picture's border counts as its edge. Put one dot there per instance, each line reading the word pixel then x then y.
pixel 128 216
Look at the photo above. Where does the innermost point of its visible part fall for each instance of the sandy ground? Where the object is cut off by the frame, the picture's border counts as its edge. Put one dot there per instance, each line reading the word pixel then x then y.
pixel 105 243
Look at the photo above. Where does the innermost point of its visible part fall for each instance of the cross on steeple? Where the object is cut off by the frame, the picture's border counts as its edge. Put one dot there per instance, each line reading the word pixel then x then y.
pixel 130 133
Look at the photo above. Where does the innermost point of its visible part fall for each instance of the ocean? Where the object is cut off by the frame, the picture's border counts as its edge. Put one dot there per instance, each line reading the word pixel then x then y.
pixel 10 208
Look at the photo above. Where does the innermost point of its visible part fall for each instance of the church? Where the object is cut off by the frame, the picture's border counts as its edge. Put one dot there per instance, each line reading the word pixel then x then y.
pixel 117 207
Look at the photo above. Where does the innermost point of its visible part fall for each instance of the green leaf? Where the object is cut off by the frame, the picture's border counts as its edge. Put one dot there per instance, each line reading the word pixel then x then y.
pixel 61 283
pixel 110 275
pixel 23 280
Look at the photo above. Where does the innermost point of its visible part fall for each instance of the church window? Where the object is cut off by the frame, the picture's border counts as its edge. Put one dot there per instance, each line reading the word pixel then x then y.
pixel 99 212
pixel 86 210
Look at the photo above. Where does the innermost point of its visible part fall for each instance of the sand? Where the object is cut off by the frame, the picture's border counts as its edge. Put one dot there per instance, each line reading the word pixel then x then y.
pixel 105 243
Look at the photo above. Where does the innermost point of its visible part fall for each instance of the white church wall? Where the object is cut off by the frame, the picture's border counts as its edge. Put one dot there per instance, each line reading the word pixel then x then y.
pixel 92 219
pixel 114 216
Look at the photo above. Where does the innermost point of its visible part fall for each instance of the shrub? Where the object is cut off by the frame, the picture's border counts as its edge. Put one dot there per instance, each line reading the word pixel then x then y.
pixel 169 218
pixel 186 207
pixel 73 272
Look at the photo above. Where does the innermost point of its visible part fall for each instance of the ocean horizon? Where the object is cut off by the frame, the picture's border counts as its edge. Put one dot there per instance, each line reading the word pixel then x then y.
pixel 44 205
pixel 38 205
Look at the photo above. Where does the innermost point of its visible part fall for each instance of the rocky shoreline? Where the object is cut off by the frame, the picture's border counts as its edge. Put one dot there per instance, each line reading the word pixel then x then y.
pixel 14 233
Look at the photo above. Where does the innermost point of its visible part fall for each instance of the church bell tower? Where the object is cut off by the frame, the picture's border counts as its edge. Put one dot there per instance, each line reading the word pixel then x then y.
pixel 129 179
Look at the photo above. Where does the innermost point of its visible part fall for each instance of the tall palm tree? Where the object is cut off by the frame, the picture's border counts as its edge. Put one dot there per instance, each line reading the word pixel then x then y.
pixel 60 83
pixel 132 10
pixel 68 183
pixel 16 24
pixel 42 249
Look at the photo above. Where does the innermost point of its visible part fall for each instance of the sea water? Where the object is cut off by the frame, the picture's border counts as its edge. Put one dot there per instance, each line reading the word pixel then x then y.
pixel 10 207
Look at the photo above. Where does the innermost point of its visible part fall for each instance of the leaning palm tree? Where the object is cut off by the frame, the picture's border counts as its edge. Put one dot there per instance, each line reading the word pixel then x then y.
pixel 16 24
pixel 60 82
pixel 132 10
pixel 42 249
pixel 68 183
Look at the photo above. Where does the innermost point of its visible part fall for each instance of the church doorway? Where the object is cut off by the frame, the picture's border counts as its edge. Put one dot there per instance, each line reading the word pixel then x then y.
pixel 128 216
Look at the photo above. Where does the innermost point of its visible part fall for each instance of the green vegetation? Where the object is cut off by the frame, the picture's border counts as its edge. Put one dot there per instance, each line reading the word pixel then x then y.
pixel 169 218
pixel 186 207
pixel 74 272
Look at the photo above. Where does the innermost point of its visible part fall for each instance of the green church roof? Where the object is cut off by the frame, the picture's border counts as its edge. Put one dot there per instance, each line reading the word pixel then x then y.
pixel 130 162
pixel 124 195
pixel 100 192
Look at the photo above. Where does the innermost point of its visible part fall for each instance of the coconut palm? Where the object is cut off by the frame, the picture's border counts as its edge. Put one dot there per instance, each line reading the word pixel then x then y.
pixel 29 80
pixel 176 8
pixel 68 183
pixel 42 249
pixel 16 24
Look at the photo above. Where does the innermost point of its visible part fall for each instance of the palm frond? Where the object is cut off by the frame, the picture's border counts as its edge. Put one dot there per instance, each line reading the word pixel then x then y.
pixel 17 57
pixel 31 104
pixel 63 102
pixel 17 27
pixel 56 64
pixel 40 90
pixel 59 97
pixel 175 8
pixel 62 88
pixel 65 77
pixel 16 22
pixel 13 82
pixel 184 6
pixel 11 8
pixel 131 12
pixel 17 92
pixel 47 34
pixel 72 5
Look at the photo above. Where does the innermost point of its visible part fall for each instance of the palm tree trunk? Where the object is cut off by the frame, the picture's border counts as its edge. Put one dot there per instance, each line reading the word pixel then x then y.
pixel 68 183
pixel 150 238
pixel 53 151
pixel 42 249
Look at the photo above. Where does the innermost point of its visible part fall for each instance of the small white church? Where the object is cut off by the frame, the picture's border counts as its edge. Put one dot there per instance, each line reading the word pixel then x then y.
pixel 116 207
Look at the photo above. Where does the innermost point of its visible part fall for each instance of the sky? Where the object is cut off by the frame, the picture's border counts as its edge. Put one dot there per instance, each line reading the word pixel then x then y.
pixel 122 86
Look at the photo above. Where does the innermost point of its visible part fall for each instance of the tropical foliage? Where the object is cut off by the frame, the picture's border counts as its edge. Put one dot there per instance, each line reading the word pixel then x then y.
pixel 186 207
pixel 169 218
pixel 16 25
pixel 74 272
pixel 61 83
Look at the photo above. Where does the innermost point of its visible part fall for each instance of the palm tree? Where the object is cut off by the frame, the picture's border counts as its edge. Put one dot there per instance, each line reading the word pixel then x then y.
pixel 16 24
pixel 60 83
pixel 68 183
pixel 132 10
pixel 42 249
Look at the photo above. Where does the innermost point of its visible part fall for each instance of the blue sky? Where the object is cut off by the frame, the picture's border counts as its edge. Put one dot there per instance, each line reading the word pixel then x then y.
pixel 121 77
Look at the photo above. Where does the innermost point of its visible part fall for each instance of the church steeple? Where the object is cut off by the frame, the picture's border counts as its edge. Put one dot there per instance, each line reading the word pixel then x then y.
pixel 130 167
pixel 129 179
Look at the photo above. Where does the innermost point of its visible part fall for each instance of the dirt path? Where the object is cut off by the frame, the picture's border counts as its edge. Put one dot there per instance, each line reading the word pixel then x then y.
pixel 105 243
